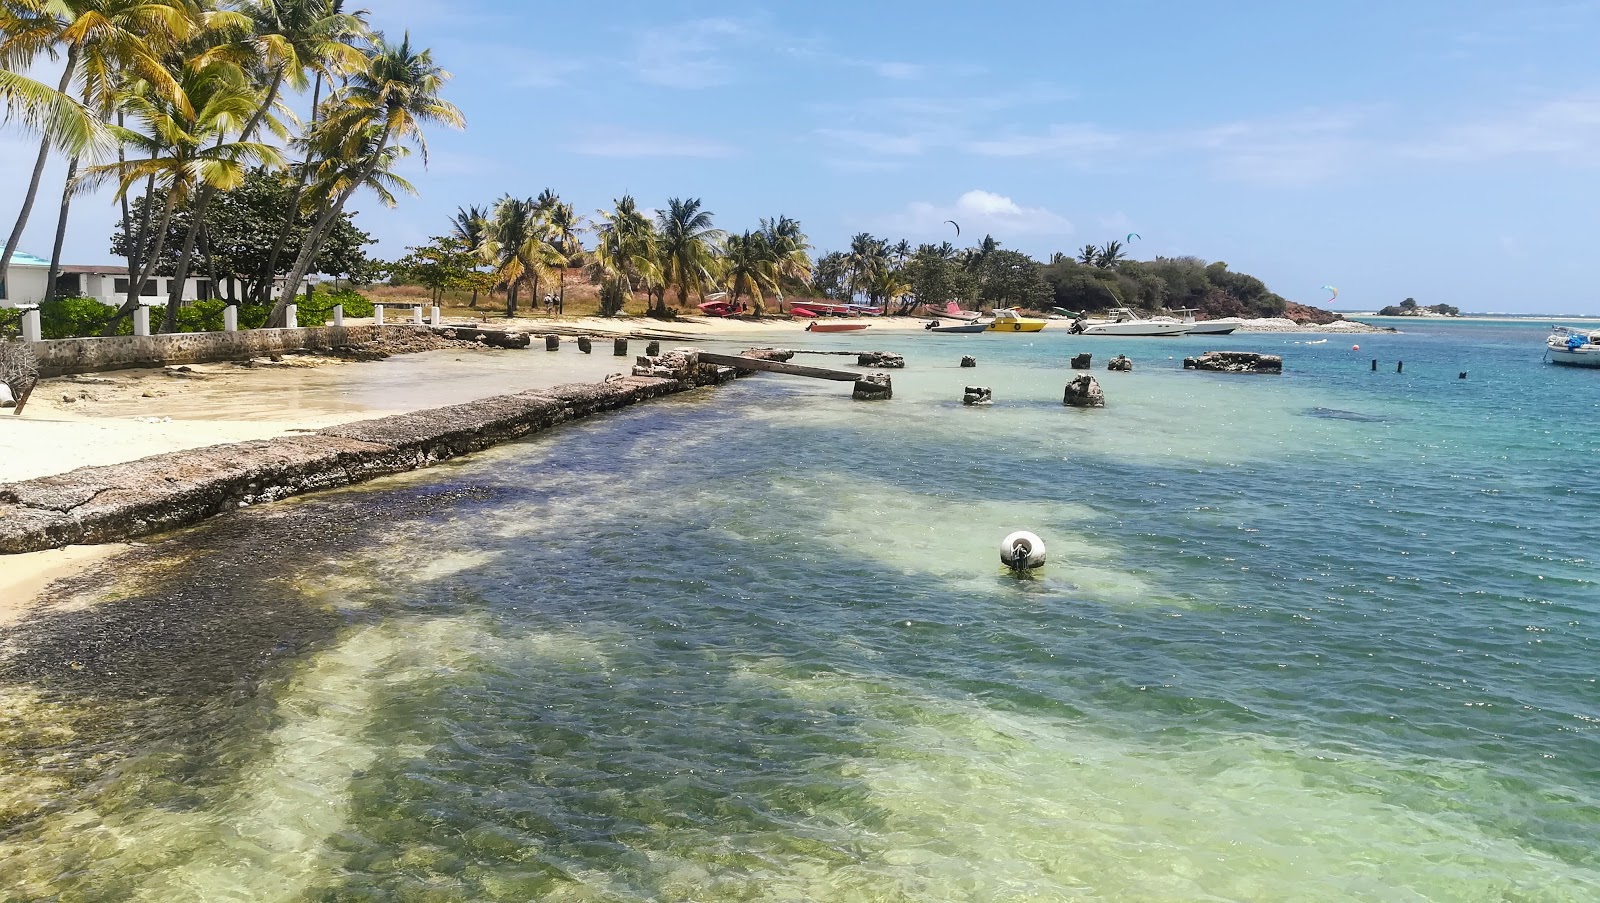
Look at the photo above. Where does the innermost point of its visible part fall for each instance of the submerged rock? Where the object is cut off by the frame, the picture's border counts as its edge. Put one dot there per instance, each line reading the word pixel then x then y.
pixel 969 361
pixel 1084 392
pixel 977 395
pixel 782 355
pixel 1082 361
pixel 888 360
pixel 1120 363
pixel 873 387
pixel 1235 362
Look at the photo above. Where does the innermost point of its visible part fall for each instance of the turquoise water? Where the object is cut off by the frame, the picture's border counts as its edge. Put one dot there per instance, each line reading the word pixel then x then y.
pixel 1324 636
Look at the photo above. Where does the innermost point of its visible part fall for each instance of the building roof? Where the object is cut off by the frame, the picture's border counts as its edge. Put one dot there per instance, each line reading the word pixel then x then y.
pixel 22 259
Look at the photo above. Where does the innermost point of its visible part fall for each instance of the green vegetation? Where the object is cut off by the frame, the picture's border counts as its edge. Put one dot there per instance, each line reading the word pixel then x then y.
pixel 1409 308
pixel 191 97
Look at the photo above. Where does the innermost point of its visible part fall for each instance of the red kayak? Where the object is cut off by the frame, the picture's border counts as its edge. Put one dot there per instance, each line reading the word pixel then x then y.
pixel 802 312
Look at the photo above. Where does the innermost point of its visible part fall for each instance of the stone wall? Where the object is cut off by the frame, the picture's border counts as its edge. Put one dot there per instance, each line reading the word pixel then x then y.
pixel 123 501
pixel 60 357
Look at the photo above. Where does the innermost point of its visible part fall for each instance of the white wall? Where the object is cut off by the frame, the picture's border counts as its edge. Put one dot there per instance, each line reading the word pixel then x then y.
pixel 26 285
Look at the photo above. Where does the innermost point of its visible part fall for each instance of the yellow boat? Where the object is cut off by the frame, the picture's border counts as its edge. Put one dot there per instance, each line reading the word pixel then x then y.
pixel 1009 320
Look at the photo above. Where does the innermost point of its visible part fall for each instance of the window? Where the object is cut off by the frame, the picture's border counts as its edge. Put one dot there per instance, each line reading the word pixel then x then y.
pixel 69 285
pixel 119 286
pixel 202 290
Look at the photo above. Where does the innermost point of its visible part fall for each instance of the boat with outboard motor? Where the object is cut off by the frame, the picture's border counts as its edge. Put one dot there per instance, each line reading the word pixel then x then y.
pixel 1125 322
pixel 1573 347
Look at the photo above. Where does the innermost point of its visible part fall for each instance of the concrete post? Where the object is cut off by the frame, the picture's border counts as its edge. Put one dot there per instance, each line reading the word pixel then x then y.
pixel 436 319
pixel 141 319
pixel 291 317
pixel 377 314
pixel 619 347
pixel 338 315
pixel 230 318
pixel 32 331
pixel 416 314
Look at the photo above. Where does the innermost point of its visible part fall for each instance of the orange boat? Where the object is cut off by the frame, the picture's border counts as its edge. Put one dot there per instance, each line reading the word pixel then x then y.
pixel 824 326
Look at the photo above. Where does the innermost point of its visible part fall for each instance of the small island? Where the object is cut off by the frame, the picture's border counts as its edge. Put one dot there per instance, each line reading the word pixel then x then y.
pixel 1410 308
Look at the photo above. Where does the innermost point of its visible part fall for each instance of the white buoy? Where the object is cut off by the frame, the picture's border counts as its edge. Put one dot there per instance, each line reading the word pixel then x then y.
pixel 1022 551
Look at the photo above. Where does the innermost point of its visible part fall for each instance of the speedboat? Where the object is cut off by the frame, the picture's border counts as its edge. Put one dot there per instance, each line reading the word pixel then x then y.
pixel 1573 348
pixel 1125 322
pixel 1008 319
pixel 1204 327
pixel 936 326
pixel 825 326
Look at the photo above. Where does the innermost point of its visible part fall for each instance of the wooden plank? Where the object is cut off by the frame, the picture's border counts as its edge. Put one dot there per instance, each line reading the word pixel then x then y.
pixel 751 363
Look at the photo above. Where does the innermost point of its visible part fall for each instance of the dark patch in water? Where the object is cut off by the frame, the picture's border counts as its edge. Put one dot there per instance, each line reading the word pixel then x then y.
pixel 1336 414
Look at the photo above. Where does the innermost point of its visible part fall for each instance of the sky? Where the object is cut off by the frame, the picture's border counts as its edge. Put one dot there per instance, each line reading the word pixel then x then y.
pixel 1445 150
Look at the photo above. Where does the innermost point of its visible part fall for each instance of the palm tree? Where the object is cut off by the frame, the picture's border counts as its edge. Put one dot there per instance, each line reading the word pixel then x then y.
pixel 750 264
pixel 867 258
pixel 278 42
pixel 518 246
pixel 887 285
pixel 103 39
pixel 564 225
pixel 470 225
pixel 688 249
pixel 1110 255
pixel 384 102
pixel 625 251
pixel 790 249
pixel 187 145
pixel 831 272
pixel 1088 254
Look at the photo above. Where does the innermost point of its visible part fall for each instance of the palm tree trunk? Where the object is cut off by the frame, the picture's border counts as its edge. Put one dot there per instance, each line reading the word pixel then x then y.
pixel 61 232
pixel 180 275
pixel 561 295
pixel 293 211
pixel 38 176
pixel 313 242
pixel 148 266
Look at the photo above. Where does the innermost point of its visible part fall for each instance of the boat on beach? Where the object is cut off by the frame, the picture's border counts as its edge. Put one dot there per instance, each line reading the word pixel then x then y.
pixel 1204 327
pixel 1008 319
pixel 1125 322
pixel 936 326
pixel 825 326
pixel 1573 347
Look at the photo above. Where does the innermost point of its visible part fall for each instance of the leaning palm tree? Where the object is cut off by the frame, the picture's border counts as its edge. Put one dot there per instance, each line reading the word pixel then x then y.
pixel 386 101
pixel 187 145
pixel 688 249
pixel 790 252
pixel 103 41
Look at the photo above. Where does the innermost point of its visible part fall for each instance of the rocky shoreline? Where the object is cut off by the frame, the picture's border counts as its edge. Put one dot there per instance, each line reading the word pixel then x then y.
pixel 118 502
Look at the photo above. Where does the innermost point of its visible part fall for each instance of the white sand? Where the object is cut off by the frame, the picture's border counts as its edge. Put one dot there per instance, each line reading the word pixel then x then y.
pixel 23 577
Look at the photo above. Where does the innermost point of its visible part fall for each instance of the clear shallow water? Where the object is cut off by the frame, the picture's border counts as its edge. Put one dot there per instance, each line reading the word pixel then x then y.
pixel 1324 636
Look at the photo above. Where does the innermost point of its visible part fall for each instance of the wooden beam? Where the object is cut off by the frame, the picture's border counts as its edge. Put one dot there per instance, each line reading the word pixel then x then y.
pixel 750 363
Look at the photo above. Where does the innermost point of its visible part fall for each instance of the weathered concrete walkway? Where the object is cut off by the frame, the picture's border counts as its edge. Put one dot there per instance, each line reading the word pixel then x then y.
pixel 122 501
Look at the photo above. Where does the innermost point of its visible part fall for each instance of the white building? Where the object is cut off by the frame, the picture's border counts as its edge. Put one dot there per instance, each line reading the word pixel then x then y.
pixel 25 280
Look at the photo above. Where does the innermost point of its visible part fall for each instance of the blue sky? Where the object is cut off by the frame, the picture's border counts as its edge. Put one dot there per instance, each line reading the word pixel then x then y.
pixel 1442 150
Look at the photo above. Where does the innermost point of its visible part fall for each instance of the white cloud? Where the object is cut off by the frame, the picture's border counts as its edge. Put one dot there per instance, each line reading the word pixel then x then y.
pixel 979 211
pixel 629 144
pixel 892 144
pixel 687 55
pixel 1568 128
pixel 898 71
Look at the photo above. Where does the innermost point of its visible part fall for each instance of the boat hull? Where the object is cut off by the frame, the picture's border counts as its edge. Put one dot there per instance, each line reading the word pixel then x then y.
pixel 819 326
pixel 1137 329
pixel 963 328
pixel 1211 329
pixel 1015 326
pixel 1574 358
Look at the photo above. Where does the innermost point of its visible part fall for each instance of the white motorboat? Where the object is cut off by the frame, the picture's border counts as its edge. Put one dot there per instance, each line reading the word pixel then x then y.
pixel 1125 322
pixel 1573 347
pixel 1204 327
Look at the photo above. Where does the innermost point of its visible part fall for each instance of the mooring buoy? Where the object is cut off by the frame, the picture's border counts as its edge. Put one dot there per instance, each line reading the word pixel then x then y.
pixel 1022 551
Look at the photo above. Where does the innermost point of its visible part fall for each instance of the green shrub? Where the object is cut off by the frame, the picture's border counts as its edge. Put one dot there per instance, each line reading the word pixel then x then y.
pixel 68 318
pixel 10 323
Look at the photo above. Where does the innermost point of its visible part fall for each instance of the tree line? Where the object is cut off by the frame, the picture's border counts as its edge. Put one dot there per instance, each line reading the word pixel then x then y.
pixel 525 243
pixel 192 100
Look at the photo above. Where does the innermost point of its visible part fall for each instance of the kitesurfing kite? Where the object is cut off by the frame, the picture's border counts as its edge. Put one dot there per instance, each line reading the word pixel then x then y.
pixel 1132 236
pixel 1332 289
pixel 957 225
